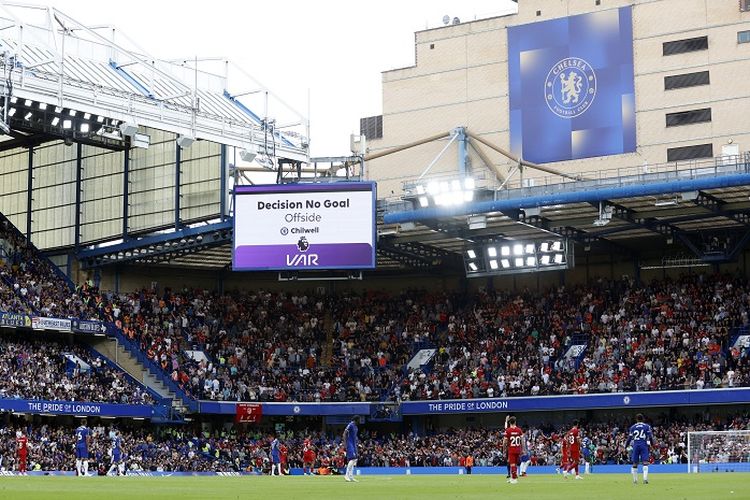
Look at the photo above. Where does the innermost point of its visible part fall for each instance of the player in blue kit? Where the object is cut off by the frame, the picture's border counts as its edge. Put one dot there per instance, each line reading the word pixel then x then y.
pixel 82 449
pixel 589 451
pixel 118 466
pixel 275 457
pixel 641 436
pixel 350 441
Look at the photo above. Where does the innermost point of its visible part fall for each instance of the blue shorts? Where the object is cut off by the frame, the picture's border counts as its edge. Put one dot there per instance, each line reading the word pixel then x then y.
pixel 276 459
pixel 640 454
pixel 82 453
pixel 525 458
pixel 116 457
pixel 351 454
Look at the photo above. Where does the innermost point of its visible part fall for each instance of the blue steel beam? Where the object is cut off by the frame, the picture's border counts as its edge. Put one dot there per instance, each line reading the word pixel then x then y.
pixel 29 194
pixel 131 79
pixel 591 195
pixel 156 239
pixel 249 112
pixel 177 180
pixel 223 182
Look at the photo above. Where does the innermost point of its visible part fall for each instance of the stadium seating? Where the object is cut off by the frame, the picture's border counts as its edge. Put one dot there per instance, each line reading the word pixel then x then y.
pixel 271 346
pixel 53 371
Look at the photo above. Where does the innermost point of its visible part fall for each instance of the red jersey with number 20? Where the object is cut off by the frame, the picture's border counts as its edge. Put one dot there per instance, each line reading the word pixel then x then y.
pixel 515 439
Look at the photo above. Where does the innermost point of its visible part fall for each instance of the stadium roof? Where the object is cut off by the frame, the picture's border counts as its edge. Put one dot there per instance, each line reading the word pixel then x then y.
pixel 49 57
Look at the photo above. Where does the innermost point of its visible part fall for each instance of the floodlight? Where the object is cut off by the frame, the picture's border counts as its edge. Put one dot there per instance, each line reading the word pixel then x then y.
pixel 556 246
pixel 492 251
pixel 67 124
pixel 505 250
pixel 84 128
pixel 529 248
pixel 11 111
pixel 517 249
pixel 72 112
pixel 505 263
pixel 530 261
pixel 184 141
pixel 544 247
pixel 423 202
pixel 493 264
pixel 28 103
pixel 472 266
pixel 472 254
pixel 87 116
pixel 42 106
pixel 420 189
pixel 28 116
pixel 558 258
pixel 545 260
pixel 519 261
pixel 469 184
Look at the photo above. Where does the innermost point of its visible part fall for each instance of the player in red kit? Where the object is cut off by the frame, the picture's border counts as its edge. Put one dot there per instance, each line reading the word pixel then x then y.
pixel 564 457
pixel 284 452
pixel 512 445
pixel 308 457
pixel 573 440
pixel 22 449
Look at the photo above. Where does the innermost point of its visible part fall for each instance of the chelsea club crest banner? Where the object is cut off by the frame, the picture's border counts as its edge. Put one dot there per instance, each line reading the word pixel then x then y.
pixel 571 87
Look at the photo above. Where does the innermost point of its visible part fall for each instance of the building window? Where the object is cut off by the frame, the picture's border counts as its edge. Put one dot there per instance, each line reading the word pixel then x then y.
pixel 744 5
pixel 687 45
pixel 690 152
pixel 743 36
pixel 371 127
pixel 688 117
pixel 686 80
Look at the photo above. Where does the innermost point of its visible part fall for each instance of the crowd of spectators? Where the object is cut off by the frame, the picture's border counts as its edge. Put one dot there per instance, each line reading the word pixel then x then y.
pixel 229 450
pixel 280 346
pixel 54 371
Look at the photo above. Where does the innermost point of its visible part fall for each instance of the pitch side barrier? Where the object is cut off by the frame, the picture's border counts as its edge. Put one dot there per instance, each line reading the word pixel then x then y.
pixel 618 400
pixel 419 471
pixel 76 408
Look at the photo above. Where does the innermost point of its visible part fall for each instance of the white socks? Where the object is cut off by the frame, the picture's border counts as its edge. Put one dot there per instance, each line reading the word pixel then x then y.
pixel 350 469
pixel 587 468
pixel 78 466
pixel 85 467
pixel 635 474
pixel 645 472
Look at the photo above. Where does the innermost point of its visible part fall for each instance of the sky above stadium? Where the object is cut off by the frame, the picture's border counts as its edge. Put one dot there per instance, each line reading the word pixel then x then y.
pixel 330 47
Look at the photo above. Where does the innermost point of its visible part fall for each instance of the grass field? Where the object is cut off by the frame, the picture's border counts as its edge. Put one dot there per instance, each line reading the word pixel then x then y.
pixel 603 486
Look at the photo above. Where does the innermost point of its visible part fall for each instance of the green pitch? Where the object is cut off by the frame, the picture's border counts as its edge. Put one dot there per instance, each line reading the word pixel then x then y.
pixel 733 486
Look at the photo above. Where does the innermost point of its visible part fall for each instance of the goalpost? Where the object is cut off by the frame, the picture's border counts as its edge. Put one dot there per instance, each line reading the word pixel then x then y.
pixel 718 451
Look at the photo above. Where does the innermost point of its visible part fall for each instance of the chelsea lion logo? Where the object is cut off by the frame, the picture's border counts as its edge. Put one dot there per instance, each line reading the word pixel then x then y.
pixel 570 87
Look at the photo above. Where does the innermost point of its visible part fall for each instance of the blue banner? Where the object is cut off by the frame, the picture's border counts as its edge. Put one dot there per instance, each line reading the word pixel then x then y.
pixel 15 320
pixel 287 409
pixel 579 402
pixel 86 326
pixel 76 408
pixel 571 87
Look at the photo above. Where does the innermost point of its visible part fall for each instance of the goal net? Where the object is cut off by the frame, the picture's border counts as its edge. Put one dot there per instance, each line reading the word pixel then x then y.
pixel 719 451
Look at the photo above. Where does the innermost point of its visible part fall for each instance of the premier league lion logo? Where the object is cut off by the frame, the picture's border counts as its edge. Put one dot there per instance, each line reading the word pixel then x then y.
pixel 303 245
pixel 570 87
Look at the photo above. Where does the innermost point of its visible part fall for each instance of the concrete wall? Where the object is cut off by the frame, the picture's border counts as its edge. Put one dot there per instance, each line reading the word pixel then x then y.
pixel 461 79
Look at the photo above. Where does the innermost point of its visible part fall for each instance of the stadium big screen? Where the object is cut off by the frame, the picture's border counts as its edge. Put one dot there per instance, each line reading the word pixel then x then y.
pixel 304 226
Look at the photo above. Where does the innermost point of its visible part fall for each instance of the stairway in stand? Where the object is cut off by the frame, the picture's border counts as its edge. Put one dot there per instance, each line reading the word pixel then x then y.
pixel 328 348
